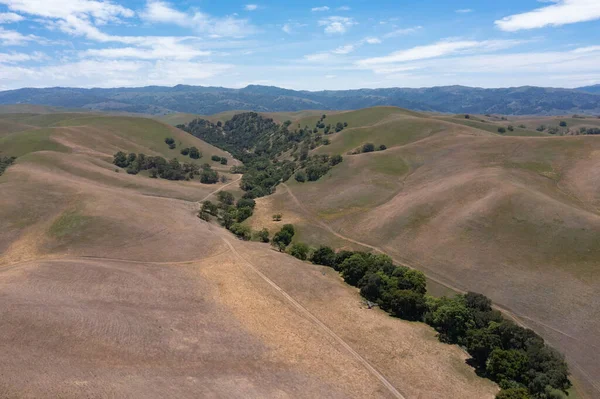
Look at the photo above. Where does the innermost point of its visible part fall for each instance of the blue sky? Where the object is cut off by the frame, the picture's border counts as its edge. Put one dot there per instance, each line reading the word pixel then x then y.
pixel 299 44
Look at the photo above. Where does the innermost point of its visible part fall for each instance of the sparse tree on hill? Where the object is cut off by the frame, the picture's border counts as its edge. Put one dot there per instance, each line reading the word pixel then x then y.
pixel 194 153
pixel 368 147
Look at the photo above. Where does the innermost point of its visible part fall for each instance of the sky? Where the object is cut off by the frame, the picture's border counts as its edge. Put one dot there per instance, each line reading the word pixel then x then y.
pixel 306 45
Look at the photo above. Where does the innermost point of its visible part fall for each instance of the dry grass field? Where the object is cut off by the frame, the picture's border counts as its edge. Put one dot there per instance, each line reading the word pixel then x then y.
pixel 514 217
pixel 110 286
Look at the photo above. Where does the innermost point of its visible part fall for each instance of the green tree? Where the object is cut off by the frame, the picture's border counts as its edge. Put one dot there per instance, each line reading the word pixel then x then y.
pixel 185 151
pixel 407 304
pixel 246 203
pixel 353 269
pixel 324 256
pixel 368 147
pixel 209 177
pixel 513 393
pixel 382 147
pixel 501 130
pixel 283 238
pixel 215 158
pixel 336 159
pixel 243 213
pixel 241 231
pixel 262 235
pixel 299 250
pixel 194 153
pixel 210 208
pixel 120 159
pixel 169 140
pixel 450 317
pixel 300 176
pixel 225 197
pixel 506 365
pixel 563 124
pixel 223 161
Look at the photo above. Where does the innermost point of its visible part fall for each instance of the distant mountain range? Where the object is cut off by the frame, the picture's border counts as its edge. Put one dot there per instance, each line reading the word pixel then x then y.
pixel 527 100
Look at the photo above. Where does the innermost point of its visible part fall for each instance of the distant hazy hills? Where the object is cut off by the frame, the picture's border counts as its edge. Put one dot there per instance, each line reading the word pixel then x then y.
pixel 525 100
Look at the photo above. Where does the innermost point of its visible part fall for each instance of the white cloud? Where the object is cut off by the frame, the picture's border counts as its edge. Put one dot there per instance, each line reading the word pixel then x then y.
pixel 9 17
pixel 561 13
pixel 347 49
pixel 229 26
pixel 14 38
pixel 402 32
pixel 336 24
pixel 316 57
pixel 463 11
pixel 13 58
pixel 112 73
pixel 318 9
pixel 343 8
pixel 439 49
pixel 372 40
pixel 162 48
pixel 291 27
pixel 100 11
pixel 251 7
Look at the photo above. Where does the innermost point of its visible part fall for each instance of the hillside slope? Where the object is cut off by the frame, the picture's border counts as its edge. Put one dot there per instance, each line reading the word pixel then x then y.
pixel 516 218
pixel 156 100
pixel 112 287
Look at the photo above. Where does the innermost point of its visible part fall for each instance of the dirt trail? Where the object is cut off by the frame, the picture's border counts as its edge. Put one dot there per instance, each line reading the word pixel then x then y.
pixel 220 188
pixel 318 322
pixel 516 318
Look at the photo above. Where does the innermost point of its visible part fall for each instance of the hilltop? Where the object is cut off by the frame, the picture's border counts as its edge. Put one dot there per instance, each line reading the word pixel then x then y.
pixel 157 100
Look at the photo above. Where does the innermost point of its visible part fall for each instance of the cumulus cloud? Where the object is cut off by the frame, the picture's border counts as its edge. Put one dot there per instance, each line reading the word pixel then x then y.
pixel 560 13
pixel 251 7
pixel 318 9
pixel 336 24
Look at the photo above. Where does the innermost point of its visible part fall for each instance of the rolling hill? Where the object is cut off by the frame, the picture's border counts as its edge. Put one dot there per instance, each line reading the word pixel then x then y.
pixel 514 217
pixel 112 287
pixel 157 100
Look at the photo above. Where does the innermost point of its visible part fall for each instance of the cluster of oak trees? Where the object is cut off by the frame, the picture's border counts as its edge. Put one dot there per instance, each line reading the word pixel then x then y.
pixel 516 358
pixel 160 167
pixel 259 143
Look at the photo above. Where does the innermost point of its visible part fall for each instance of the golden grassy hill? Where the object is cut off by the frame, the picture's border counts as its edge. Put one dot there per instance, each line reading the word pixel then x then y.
pixel 515 217
pixel 112 287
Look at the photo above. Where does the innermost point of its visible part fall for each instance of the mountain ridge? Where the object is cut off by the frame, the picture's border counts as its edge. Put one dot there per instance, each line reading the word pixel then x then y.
pixel 208 100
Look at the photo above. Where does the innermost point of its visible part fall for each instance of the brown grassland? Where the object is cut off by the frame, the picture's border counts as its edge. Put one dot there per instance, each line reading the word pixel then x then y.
pixel 110 286
pixel 516 218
